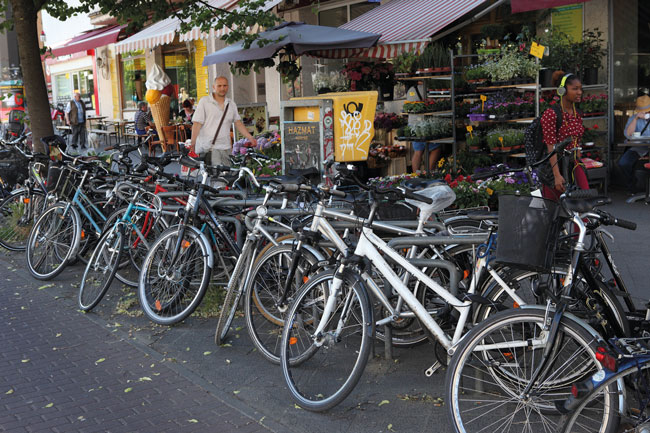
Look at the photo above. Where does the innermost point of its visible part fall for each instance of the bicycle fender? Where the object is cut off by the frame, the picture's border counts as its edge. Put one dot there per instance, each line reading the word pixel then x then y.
pixel 206 243
pixel 571 316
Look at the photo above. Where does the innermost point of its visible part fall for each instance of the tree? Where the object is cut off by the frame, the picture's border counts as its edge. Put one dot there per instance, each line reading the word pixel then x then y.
pixel 135 13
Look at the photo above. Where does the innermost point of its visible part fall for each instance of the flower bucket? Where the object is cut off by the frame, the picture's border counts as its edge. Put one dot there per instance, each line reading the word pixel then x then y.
pixel 477 117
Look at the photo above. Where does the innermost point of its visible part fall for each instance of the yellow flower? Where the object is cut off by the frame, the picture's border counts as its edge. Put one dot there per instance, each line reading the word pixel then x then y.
pixel 441 162
pixel 489 191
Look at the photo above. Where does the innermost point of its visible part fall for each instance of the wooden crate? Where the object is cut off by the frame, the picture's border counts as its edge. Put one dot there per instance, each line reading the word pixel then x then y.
pixel 397 166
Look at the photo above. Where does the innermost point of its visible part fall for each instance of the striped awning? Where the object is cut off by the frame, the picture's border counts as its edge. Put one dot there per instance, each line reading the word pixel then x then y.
pixel 163 32
pixel 404 25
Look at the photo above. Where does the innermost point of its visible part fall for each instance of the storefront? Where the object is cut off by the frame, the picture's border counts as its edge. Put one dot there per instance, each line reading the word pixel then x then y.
pixel 133 74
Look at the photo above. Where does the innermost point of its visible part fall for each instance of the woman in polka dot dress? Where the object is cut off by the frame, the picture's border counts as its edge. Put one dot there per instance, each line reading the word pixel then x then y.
pixel 571 128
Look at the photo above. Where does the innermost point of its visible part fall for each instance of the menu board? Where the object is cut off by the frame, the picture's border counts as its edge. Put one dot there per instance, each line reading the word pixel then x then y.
pixel 301 142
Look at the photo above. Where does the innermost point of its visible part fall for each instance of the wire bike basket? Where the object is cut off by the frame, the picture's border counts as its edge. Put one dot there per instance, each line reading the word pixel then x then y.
pixel 528 228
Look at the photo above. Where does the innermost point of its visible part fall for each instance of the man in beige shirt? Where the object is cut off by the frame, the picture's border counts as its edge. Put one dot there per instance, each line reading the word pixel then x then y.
pixel 206 120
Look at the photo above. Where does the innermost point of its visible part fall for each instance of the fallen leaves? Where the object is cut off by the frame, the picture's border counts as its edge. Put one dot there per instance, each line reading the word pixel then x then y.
pixel 45 286
pixel 100 360
pixel 128 390
pixel 193 421
pixel 383 402
pixel 48 405
pixel 207 352
pixel 11 391
pixel 25 360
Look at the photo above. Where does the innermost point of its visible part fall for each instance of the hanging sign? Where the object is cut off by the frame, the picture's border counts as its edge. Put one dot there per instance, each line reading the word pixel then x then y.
pixel 537 50
pixel 568 19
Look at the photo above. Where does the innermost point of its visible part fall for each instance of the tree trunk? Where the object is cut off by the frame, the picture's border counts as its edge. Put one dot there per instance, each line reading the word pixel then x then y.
pixel 37 103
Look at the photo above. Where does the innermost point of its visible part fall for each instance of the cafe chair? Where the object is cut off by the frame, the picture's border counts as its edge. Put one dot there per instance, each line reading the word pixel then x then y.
pixel 646 171
pixel 170 138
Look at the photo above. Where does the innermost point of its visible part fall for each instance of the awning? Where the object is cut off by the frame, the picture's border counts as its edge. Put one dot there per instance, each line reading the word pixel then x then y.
pixel 163 32
pixel 89 40
pixel 533 5
pixel 405 25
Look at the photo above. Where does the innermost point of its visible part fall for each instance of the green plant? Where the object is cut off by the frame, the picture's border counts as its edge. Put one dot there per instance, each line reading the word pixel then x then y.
pixel 561 55
pixel 476 73
pixel 473 139
pixel 405 62
pixel 495 138
pixel 426 58
pixel 590 51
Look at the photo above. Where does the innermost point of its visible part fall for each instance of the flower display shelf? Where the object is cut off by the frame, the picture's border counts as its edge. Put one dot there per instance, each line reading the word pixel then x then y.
pixel 427 139
pixel 525 86
pixel 432 113
pixel 426 77
pixel 597 114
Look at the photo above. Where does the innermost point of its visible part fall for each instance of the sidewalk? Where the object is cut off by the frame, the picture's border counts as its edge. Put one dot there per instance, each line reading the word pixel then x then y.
pixel 227 388
pixel 61 372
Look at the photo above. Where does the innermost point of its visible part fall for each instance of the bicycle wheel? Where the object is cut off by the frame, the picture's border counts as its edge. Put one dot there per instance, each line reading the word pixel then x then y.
pixel 493 365
pixel 135 248
pixel 101 268
pixel 635 379
pixel 321 370
pixel 263 312
pixel 598 306
pixel 233 293
pixel 53 241
pixel 170 290
pixel 18 212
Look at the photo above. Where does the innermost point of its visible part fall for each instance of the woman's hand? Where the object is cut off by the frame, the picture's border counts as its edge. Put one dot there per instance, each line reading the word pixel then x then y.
pixel 559 183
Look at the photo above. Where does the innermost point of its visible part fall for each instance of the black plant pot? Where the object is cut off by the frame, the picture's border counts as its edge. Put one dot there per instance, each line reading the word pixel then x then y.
pixel 387 92
pixel 546 77
pixel 324 90
pixel 590 76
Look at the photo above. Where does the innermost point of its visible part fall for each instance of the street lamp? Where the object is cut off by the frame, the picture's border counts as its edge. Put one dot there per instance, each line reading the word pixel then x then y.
pixel 43 36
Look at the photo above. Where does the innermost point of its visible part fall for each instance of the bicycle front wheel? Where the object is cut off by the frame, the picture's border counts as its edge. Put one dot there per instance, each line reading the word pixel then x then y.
pixel 101 268
pixel 233 293
pixel 18 212
pixel 494 363
pixel 53 241
pixel 322 369
pixel 170 288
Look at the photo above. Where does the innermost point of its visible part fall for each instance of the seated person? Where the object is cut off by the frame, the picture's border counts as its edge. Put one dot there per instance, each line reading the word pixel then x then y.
pixel 639 122
pixel 187 111
pixel 142 120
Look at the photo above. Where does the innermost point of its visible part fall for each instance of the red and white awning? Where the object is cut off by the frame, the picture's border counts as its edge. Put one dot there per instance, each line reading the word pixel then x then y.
pixel 163 32
pixel 404 25
pixel 88 41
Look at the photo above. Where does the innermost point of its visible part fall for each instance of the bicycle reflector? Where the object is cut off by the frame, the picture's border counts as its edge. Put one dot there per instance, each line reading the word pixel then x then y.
pixel 605 359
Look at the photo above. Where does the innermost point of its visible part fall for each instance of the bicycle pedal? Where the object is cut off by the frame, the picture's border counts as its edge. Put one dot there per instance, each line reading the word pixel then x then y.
pixel 435 367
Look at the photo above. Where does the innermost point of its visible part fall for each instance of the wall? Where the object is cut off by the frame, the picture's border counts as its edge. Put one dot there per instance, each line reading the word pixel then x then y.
pixel 104 84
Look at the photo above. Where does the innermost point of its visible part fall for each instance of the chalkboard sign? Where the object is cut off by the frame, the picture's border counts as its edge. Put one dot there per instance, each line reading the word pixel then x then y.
pixel 302 147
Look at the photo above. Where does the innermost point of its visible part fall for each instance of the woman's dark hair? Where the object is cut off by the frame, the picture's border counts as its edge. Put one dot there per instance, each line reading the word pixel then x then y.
pixel 141 104
pixel 187 103
pixel 558 75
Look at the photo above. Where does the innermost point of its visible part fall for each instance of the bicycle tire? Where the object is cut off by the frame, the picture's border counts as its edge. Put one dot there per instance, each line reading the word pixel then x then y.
pixel 233 293
pixel 353 343
pixel 18 213
pixel 109 250
pixel 61 241
pixel 264 317
pixel 476 376
pixel 170 292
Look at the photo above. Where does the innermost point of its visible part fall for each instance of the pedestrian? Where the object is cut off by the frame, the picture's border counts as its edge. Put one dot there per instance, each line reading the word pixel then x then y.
pixel 211 125
pixel 142 120
pixel 419 149
pixel 637 126
pixel 75 116
pixel 569 88
pixel 187 112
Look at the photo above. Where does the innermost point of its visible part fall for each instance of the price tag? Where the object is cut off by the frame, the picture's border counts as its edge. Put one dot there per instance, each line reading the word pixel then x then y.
pixel 470 128
pixel 501 140
pixel 483 99
pixel 537 50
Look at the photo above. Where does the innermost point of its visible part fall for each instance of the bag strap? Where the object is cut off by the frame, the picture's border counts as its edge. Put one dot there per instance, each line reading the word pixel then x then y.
pixel 220 123
pixel 558 118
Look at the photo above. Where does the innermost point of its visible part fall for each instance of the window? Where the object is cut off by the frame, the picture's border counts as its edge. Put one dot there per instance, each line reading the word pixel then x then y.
pixel 179 66
pixel 63 87
pixel 78 81
pixel 133 75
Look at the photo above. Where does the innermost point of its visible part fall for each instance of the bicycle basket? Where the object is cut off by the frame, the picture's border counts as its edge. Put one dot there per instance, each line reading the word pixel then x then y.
pixel 51 142
pixel 527 232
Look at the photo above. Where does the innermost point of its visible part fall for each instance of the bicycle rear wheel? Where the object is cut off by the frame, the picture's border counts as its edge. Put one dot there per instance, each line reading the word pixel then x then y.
pixel 170 290
pixel 53 241
pixel 18 212
pixel 495 361
pixel 263 312
pixel 321 370
pixel 233 294
pixel 101 268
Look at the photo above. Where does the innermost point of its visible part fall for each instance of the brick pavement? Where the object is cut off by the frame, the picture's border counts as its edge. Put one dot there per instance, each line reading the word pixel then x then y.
pixel 60 371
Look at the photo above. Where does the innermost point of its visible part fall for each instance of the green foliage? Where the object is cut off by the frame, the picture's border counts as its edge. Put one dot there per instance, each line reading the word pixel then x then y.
pixel 405 62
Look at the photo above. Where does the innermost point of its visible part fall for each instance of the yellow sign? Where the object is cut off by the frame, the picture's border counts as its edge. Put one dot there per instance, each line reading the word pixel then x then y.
pixel 202 80
pixel 537 50
pixel 568 19
pixel 501 140
pixel 483 99
pixel 470 129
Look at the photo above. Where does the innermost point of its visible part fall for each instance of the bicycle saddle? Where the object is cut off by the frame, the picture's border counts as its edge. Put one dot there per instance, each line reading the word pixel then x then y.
pixel 418 183
pixel 585 205
pixel 311 171
pixel 483 215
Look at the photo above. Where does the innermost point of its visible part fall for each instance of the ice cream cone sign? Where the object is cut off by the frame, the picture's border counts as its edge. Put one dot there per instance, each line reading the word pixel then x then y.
pixel 158 97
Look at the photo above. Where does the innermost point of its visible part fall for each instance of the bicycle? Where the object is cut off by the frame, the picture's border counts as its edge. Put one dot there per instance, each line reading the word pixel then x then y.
pixel 513 366
pixel 105 259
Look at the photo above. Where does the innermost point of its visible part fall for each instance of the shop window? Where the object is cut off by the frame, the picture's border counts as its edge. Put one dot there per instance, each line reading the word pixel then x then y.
pixel 63 87
pixel 133 76
pixel 180 67
pixel 78 81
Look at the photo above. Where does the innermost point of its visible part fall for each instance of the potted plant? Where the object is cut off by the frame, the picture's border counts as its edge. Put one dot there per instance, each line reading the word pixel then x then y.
pixel 442 58
pixel 493 141
pixel 590 53
pixel 383 75
pixel 561 55
pixel 493 32
pixel 405 64
pixel 426 61
pixel 474 141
